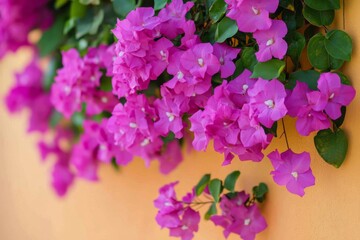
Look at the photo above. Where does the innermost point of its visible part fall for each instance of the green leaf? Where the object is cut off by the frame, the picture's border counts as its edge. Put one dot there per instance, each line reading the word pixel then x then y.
pixel 69 25
pixel 339 45
pixel 310 77
pixel 287 4
pixel 319 18
pixel 226 28
pixel 339 122
pixel 268 70
pixel 248 58
pixel 332 146
pixel 200 187
pixel 90 23
pixel 60 3
pixel 77 10
pixel 296 42
pixel 55 118
pixel 217 10
pixel 123 7
pixel 344 79
pixel 272 130
pixel 87 2
pixel 335 63
pixel 211 211
pixel 52 38
pixel 260 192
pixel 114 164
pixel 215 188
pixel 317 54
pixel 159 4
pixel 322 5
pixel 77 119
pixel 230 180
pixel 54 65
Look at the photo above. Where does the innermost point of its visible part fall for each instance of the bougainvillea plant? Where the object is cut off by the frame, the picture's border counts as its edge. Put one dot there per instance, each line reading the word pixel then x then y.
pixel 128 78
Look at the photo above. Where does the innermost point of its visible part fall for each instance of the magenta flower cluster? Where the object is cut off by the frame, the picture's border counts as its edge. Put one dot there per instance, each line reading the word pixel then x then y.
pixel 238 215
pixel 17 19
pixel 168 86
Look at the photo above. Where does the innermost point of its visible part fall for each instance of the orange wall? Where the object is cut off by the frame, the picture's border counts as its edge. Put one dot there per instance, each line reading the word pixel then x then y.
pixel 120 206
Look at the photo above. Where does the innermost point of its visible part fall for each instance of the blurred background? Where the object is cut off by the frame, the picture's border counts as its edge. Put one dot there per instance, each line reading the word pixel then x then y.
pixel 120 205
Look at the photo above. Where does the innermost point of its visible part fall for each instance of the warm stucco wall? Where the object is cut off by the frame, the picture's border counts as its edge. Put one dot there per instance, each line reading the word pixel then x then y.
pixel 120 206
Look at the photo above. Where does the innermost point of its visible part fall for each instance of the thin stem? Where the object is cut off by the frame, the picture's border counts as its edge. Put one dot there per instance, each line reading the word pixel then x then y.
pixel 286 139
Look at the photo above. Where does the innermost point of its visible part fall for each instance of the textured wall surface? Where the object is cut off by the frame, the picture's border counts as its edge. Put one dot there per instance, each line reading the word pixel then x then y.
pixel 120 206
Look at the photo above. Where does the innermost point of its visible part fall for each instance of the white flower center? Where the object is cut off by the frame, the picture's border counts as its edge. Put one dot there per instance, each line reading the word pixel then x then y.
pixel 221 60
pixel 245 87
pixel 67 90
pixel 180 75
pixel 167 204
pixel 145 142
pixel 270 42
pixel 102 147
pixel 201 62
pixel 170 116
pixel 332 96
pixel 133 125
pixel 163 55
pixel 104 99
pixel 255 10
pixel 270 103
pixel 93 78
pixel 309 115
pixel 295 175
pixel 247 222
pixel 184 227
pixel 121 53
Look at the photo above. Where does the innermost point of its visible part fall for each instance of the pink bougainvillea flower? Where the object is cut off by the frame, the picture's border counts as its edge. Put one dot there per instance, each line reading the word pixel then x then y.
pixel 250 222
pixel 267 98
pixel 143 18
pixel 226 55
pixel 169 207
pixel 189 224
pixel 271 42
pixel 336 93
pixel 292 170
pixel 62 178
pixel 238 219
pixel 308 107
pixel 200 60
pixel 170 158
pixel 238 88
pixel 252 15
pixel 173 18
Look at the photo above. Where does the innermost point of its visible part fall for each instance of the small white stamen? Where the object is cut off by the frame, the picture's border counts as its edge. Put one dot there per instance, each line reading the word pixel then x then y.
pixel 143 109
pixel 170 116
pixel 245 87
pixel 104 99
pixel 92 78
pixel 145 142
pixel 167 204
pixel 309 115
pixel 295 175
pixel 201 62
pixel 67 90
pixel 163 55
pixel 121 53
pixel 332 96
pixel 102 147
pixel 184 227
pixel 255 10
pixel 221 60
pixel 180 75
pixel 247 222
pixel 133 125
pixel 270 103
pixel 270 42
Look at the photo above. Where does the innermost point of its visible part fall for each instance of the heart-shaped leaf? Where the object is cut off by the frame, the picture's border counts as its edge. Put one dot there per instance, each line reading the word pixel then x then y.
pixel 332 146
